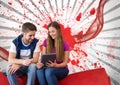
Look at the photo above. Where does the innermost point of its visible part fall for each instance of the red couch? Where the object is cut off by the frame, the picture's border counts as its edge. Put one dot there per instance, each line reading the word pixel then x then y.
pixel 89 77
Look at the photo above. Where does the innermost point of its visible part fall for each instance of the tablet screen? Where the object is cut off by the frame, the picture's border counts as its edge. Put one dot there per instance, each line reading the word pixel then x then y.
pixel 46 57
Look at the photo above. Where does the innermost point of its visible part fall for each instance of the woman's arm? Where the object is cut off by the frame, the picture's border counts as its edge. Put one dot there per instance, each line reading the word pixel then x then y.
pixel 60 65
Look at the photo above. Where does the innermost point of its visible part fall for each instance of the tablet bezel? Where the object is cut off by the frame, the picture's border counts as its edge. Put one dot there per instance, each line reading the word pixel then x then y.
pixel 46 57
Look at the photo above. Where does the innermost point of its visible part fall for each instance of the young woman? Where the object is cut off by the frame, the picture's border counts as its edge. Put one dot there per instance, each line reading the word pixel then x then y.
pixel 54 44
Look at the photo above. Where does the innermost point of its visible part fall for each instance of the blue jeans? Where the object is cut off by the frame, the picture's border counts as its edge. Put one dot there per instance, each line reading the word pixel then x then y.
pixel 29 70
pixel 50 76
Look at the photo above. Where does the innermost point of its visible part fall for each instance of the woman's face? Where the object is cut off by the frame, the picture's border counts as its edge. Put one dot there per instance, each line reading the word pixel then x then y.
pixel 52 32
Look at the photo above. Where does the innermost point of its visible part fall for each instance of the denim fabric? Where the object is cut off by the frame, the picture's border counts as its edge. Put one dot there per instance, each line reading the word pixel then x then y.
pixel 30 71
pixel 50 76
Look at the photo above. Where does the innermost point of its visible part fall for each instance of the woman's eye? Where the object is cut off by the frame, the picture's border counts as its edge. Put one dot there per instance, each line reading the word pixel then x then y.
pixel 51 32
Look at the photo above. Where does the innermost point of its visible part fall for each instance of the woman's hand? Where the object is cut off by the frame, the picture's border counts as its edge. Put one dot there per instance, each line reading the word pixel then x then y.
pixel 39 65
pixel 51 64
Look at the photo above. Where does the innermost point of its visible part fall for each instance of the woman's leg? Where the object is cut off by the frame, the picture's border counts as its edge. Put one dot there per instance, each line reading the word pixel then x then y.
pixel 31 75
pixel 54 74
pixel 41 76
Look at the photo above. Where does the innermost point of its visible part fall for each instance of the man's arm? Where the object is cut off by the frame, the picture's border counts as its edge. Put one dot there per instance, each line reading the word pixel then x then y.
pixel 23 62
pixel 12 55
pixel 36 53
pixel 35 57
pixel 12 59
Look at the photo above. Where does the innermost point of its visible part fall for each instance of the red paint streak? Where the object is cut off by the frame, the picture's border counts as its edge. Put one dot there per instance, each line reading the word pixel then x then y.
pixel 50 19
pixel 92 11
pixel 80 53
pixel 95 27
pixel 79 17
pixel 84 53
pixel 82 68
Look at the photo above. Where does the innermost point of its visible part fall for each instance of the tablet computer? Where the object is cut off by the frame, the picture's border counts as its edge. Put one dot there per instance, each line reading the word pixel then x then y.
pixel 46 57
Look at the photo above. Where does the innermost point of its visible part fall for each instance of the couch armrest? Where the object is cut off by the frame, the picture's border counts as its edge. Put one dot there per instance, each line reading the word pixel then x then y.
pixel 4 53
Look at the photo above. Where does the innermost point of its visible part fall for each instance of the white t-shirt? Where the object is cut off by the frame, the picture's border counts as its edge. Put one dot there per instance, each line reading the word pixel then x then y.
pixel 25 50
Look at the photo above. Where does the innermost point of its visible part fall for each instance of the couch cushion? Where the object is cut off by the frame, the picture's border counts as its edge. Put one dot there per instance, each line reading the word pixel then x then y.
pixel 90 77
pixel 4 80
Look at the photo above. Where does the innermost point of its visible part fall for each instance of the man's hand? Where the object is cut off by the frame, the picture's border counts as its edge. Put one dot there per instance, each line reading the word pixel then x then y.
pixel 27 62
pixel 13 68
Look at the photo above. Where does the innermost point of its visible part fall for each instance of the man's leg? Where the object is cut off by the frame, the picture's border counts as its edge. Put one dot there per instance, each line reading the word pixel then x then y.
pixel 11 77
pixel 31 74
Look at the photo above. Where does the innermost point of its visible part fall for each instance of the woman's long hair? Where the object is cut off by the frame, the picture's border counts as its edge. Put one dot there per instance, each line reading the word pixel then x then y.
pixel 57 43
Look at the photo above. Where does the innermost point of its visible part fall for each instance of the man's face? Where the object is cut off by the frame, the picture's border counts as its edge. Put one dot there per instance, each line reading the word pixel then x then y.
pixel 28 36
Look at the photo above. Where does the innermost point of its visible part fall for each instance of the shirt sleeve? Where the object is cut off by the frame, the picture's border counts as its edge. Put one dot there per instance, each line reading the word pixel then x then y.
pixel 37 48
pixel 12 48
pixel 45 43
pixel 66 46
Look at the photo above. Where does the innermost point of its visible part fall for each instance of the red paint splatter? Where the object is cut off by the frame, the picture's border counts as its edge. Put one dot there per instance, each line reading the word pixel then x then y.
pixel 97 65
pixel 45 26
pixel 20 26
pixel 69 60
pixel 82 68
pixel 79 17
pixel 97 53
pixel 10 3
pixel 92 11
pixel 75 62
pixel 66 32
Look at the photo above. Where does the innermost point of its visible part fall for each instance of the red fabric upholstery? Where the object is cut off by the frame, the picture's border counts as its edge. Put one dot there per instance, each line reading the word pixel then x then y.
pixel 3 53
pixel 21 80
pixel 90 77
pixel 4 80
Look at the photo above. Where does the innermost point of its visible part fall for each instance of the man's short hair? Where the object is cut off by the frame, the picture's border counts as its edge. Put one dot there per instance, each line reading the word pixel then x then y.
pixel 28 27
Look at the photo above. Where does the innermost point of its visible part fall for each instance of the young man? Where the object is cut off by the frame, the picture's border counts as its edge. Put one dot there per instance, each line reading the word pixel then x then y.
pixel 23 55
